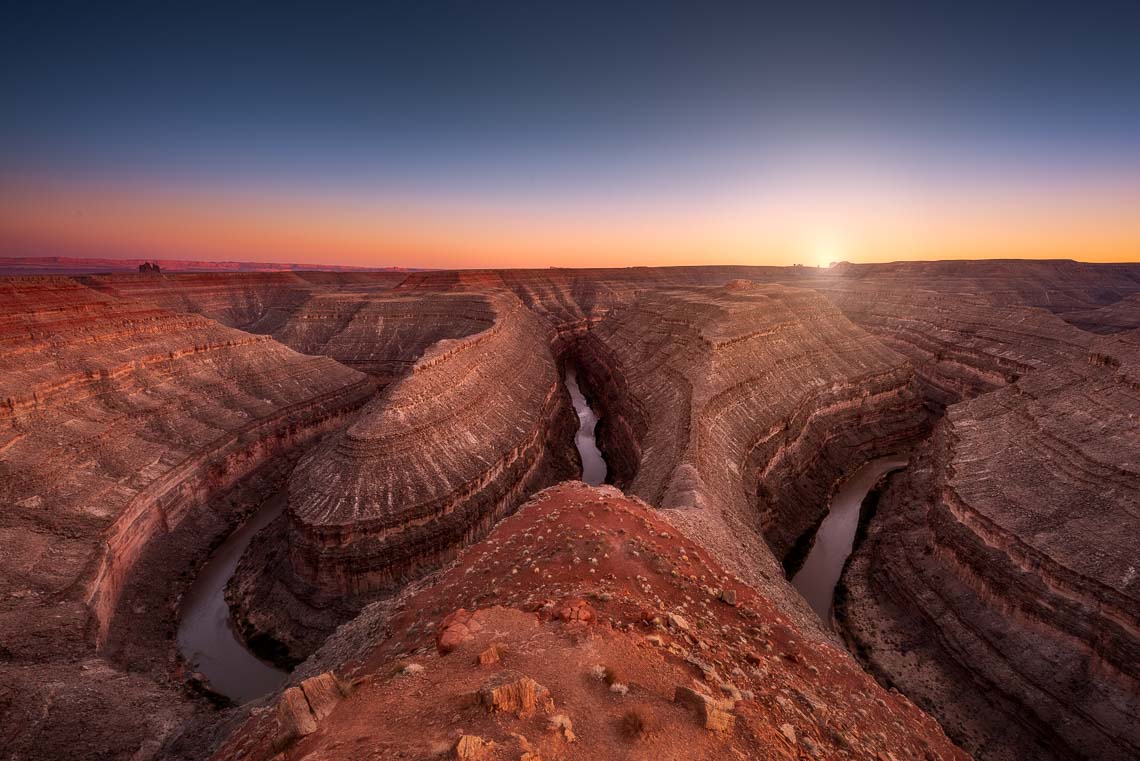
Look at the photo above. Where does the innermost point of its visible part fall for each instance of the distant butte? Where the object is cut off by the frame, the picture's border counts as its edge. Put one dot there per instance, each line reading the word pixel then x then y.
pixel 416 432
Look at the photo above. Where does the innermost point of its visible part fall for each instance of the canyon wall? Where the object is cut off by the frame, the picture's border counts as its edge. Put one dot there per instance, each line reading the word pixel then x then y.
pixel 998 585
pixel 431 464
pixel 379 333
pixel 233 299
pixel 584 627
pixel 960 344
pixel 117 419
pixel 1118 317
pixel 127 404
pixel 1055 285
pixel 738 408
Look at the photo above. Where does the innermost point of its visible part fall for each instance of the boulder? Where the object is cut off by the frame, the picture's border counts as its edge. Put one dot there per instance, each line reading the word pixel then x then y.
pixel 714 714
pixel 514 692
pixel 473 748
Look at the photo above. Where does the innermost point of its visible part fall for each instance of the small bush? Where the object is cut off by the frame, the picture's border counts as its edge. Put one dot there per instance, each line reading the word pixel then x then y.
pixel 638 723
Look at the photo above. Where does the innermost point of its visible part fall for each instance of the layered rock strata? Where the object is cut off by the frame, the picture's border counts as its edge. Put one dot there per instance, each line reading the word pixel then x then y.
pixel 235 299
pixel 1005 559
pixel 584 627
pixel 378 333
pixel 742 406
pixel 117 420
pixel 1118 317
pixel 962 345
pixel 477 425
pixel 1055 285
pixel 738 405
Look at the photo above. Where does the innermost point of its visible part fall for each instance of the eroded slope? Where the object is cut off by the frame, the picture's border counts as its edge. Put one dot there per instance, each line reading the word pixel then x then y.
pixel 1005 559
pixel 584 627
pixel 741 406
pixel 117 421
pixel 477 425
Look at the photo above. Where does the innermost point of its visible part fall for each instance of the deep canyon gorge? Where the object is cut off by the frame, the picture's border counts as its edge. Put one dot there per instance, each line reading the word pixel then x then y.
pixel 412 514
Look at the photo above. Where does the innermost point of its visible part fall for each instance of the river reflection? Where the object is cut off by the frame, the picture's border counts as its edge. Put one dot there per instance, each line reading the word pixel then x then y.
pixel 206 634
pixel 820 572
pixel 593 464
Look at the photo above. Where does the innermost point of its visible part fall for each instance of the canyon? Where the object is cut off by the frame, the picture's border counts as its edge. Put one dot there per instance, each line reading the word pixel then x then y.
pixel 1023 503
pixel 412 441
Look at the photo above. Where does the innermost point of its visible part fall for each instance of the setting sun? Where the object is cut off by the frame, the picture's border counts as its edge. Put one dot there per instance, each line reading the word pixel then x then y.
pixel 542 381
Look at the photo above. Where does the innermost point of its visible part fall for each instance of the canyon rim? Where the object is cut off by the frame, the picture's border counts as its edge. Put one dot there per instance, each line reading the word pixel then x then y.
pixel 422 555
pixel 550 381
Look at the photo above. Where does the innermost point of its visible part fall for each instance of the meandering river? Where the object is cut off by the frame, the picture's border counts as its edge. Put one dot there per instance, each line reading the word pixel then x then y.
pixel 206 634
pixel 820 572
pixel 593 464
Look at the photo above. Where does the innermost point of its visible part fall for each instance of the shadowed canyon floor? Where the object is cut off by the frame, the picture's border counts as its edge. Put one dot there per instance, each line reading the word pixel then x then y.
pixel 402 419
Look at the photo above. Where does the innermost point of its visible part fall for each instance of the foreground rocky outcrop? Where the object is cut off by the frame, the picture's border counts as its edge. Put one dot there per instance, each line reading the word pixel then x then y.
pixel 998 585
pixel 584 627
pixel 118 420
pixel 477 425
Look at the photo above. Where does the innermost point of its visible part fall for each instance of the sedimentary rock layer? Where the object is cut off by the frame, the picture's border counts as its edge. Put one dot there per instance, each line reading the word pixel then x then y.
pixel 742 406
pixel 116 420
pixel 738 406
pixel 960 343
pixel 477 424
pixel 233 299
pixel 1057 286
pixel 1005 559
pixel 584 627
pixel 382 334
pixel 1118 317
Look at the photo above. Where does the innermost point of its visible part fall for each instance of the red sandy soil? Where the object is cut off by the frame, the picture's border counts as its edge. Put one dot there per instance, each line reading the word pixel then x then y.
pixel 580 581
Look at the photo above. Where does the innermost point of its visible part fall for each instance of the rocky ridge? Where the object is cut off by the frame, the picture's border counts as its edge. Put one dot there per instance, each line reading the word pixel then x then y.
pixel 738 408
pixel 736 405
pixel 234 299
pixel 476 426
pixel 380 333
pixel 582 627
pixel 960 344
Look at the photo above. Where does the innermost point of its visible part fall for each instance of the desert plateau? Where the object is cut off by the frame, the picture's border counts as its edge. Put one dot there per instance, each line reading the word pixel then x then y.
pixel 433 380
pixel 419 570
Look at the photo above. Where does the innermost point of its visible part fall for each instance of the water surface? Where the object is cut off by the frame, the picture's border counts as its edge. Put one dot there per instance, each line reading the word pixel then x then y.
pixel 820 572
pixel 206 634
pixel 593 464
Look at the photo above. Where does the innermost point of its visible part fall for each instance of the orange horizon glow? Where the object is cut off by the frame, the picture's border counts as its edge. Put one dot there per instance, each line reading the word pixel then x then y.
pixel 795 225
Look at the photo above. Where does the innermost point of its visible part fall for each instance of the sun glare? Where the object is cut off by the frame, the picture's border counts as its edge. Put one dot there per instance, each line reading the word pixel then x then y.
pixel 825 249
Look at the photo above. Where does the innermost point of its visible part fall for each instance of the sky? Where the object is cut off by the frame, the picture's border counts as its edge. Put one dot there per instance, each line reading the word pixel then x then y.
pixel 534 134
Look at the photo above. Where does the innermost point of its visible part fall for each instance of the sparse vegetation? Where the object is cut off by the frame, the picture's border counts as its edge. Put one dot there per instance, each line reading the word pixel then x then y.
pixel 638 723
